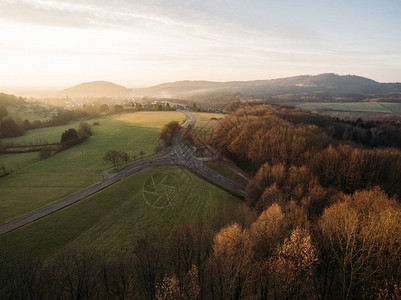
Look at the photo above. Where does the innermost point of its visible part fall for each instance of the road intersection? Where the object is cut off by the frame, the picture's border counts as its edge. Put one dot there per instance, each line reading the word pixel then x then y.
pixel 179 154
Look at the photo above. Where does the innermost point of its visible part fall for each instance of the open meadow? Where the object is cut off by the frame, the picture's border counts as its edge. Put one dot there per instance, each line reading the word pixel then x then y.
pixel 114 219
pixel 366 109
pixel 37 183
pixel 207 121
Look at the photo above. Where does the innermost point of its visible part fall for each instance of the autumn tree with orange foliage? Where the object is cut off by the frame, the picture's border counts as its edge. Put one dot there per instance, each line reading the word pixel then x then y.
pixel 361 233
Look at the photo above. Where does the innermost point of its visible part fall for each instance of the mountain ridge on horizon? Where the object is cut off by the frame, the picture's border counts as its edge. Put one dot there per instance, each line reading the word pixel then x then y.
pixel 202 89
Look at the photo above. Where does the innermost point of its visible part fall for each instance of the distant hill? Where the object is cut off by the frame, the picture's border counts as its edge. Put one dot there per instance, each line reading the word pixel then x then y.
pixel 96 89
pixel 333 84
pixel 315 88
pixel 7 99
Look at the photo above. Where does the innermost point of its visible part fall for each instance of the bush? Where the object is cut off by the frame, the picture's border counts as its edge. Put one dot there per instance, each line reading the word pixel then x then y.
pixel 70 137
pixel 84 130
pixel 168 131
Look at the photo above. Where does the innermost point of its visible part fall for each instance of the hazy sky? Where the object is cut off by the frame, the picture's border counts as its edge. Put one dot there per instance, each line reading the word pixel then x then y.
pixel 59 43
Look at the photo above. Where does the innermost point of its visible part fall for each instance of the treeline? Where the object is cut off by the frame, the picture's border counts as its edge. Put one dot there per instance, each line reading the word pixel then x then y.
pixel 371 133
pixel 181 255
pixel 134 107
pixel 10 128
pixel 351 251
pixel 7 99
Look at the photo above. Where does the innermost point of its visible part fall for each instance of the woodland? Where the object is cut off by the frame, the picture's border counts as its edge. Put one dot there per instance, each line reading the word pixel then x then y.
pixel 320 220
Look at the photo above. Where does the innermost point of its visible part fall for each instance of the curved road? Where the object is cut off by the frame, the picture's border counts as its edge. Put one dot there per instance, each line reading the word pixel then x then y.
pixel 179 154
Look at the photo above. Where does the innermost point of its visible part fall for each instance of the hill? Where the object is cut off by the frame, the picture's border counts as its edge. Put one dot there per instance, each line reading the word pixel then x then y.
pixel 6 99
pixel 333 84
pixel 309 88
pixel 96 89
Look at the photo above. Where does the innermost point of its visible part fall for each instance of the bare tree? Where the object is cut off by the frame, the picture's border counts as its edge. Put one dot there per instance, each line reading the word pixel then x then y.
pixel 232 260
pixel 361 235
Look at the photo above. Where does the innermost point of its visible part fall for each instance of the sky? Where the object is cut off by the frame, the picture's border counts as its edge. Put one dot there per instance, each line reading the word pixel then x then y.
pixel 59 43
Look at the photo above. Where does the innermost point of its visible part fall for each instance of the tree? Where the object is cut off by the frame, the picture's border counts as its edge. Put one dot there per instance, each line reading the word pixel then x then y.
pixel 232 259
pixel 84 130
pixel 148 262
pixel 299 258
pixel 9 128
pixel 77 273
pixel 195 107
pixel 124 157
pixel 266 233
pixel 113 156
pixel 118 278
pixel 188 251
pixel 69 137
pixel 361 234
pixel 3 112
pixel 116 157
pixel 168 289
pixel 168 131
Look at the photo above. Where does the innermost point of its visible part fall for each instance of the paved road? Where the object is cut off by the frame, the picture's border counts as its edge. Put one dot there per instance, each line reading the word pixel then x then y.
pixel 179 154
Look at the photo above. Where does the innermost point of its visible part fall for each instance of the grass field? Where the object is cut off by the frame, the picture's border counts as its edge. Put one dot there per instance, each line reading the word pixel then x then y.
pixel 394 107
pixel 205 123
pixel 46 181
pixel 368 108
pixel 154 119
pixel 18 161
pixel 114 219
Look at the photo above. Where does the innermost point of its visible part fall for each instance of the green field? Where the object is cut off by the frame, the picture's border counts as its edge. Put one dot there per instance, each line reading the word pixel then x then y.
pixel 18 161
pixel 394 107
pixel 46 181
pixel 205 123
pixel 352 108
pixel 154 119
pixel 114 219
